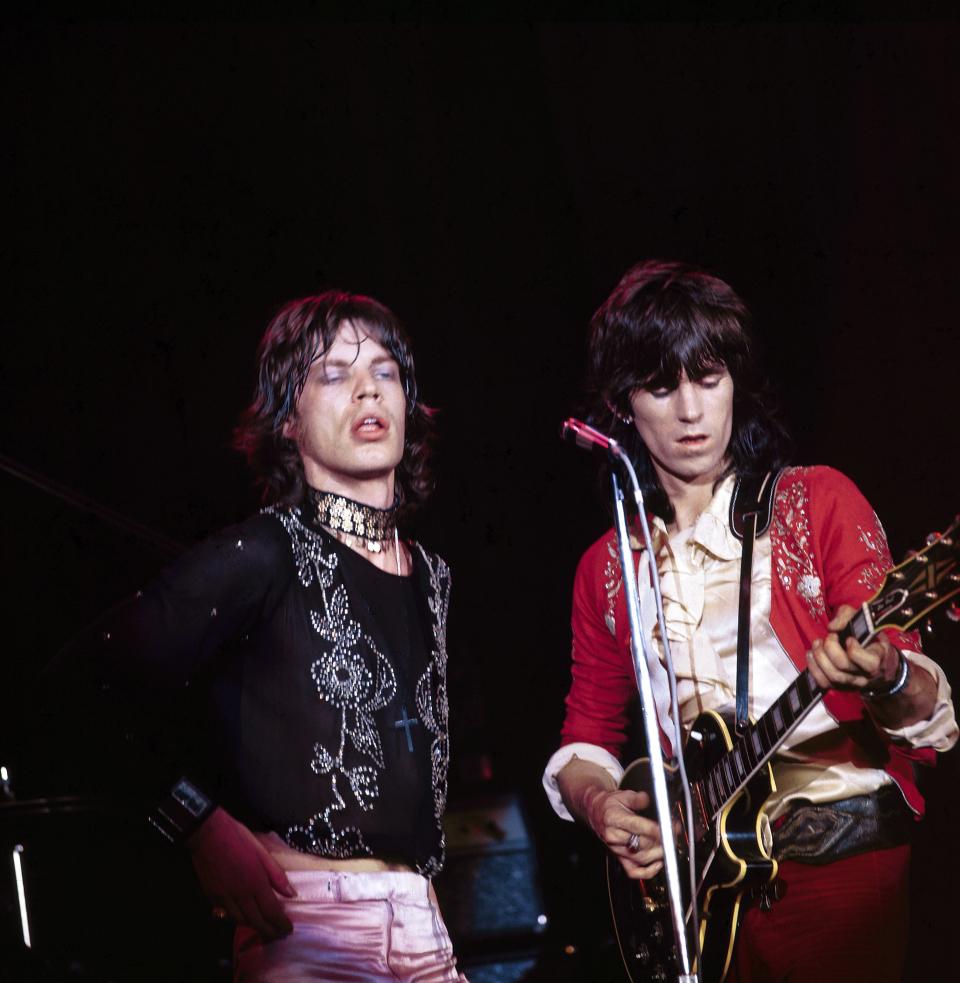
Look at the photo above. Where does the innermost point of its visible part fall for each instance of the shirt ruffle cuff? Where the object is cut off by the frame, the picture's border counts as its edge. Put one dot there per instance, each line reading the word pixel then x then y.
pixel 939 730
pixel 585 752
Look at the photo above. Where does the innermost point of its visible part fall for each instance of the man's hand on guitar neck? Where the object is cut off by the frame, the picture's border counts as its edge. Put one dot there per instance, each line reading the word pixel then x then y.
pixel 874 667
pixel 590 794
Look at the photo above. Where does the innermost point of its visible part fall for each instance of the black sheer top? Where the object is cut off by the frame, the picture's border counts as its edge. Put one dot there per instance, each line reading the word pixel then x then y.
pixel 320 682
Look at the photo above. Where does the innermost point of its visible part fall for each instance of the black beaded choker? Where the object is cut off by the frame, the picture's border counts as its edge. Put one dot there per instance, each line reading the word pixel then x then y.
pixel 372 526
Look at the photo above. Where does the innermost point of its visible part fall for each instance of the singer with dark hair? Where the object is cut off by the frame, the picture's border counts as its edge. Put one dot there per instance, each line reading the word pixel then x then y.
pixel 286 354
pixel 673 378
pixel 310 796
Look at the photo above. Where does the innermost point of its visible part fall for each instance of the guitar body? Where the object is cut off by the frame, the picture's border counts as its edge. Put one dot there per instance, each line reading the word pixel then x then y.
pixel 732 857
pixel 731 779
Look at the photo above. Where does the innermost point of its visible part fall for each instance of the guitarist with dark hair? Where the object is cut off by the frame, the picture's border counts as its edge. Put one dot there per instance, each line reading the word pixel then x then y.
pixel 802 821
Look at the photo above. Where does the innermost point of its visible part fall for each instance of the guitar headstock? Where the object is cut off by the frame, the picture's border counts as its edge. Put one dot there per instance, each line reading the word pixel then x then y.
pixel 912 590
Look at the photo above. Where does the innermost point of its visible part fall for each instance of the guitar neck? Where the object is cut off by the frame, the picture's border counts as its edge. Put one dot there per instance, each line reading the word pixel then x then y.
pixel 754 748
pixel 861 627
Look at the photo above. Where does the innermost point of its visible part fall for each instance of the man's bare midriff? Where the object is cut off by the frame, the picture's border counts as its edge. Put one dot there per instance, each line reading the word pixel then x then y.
pixel 290 859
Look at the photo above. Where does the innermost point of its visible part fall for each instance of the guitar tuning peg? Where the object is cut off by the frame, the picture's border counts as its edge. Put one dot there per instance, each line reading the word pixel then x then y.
pixel 932 538
pixel 953 612
pixel 928 627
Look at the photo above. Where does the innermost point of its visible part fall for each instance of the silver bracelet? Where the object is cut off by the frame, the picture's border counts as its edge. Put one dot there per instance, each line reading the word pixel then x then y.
pixel 898 684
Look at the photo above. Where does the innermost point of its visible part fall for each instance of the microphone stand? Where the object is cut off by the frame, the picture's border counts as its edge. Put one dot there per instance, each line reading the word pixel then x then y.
pixel 638 647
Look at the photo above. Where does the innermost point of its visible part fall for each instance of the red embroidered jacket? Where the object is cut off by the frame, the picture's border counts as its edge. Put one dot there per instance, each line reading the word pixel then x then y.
pixel 828 549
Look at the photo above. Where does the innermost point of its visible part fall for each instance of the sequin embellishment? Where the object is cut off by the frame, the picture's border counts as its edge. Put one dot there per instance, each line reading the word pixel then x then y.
pixel 431 697
pixel 612 581
pixel 356 679
pixel 792 545
pixel 875 540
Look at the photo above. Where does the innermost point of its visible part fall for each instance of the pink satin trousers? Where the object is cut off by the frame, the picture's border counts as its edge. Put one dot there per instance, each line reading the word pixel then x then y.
pixel 352 928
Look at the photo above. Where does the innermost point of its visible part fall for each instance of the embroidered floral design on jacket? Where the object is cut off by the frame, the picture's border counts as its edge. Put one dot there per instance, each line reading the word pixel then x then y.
pixel 875 540
pixel 612 581
pixel 793 560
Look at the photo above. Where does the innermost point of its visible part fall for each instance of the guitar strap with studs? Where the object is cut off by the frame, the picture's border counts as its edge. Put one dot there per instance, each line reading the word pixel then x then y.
pixel 751 508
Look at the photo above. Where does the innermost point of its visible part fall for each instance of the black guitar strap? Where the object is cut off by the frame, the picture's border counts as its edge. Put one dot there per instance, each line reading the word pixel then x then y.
pixel 751 507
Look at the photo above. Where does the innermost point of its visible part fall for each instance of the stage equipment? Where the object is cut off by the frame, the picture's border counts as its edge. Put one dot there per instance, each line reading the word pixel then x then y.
pixel 84 884
pixel 489 890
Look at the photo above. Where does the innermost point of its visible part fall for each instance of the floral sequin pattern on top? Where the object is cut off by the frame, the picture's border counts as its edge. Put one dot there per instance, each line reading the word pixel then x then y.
pixel 355 678
pixel 344 680
pixel 792 546
pixel 431 697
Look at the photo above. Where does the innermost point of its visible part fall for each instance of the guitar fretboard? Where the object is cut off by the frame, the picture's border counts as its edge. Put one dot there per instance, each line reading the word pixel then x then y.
pixel 910 592
pixel 754 748
pixel 751 751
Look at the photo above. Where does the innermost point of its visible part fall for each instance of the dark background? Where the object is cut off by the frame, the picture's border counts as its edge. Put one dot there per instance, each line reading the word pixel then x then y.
pixel 167 186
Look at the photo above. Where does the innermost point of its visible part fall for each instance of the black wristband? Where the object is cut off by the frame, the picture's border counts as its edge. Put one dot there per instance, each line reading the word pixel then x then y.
pixel 903 674
pixel 181 811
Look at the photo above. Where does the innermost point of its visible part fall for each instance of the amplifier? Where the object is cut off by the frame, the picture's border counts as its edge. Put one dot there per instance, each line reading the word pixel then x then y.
pixel 489 890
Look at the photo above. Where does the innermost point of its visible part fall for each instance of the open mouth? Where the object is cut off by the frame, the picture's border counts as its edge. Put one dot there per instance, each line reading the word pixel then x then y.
pixel 369 425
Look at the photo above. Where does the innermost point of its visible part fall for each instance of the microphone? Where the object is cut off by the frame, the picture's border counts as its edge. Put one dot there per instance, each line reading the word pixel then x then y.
pixel 586 438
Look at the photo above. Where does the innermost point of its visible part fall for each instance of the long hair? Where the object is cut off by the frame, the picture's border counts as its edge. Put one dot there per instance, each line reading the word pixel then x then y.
pixel 300 333
pixel 664 319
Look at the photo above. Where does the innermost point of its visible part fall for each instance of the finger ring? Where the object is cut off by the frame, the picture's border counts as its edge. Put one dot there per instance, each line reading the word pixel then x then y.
pixel 633 844
pixel 219 913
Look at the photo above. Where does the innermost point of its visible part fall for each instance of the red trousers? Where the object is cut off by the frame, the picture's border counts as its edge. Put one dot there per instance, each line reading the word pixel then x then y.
pixel 844 921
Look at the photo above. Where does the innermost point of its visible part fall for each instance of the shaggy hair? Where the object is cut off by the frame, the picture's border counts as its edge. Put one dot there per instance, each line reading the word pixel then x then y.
pixel 300 334
pixel 664 319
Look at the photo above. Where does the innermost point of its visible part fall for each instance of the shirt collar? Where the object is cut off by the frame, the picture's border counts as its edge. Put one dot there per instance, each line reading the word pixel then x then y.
pixel 711 531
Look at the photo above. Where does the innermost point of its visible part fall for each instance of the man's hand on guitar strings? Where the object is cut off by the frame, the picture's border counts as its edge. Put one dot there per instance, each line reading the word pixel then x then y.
pixel 854 667
pixel 873 667
pixel 613 817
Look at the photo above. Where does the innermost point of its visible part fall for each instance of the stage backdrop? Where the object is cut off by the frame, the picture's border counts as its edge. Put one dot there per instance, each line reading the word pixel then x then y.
pixel 168 185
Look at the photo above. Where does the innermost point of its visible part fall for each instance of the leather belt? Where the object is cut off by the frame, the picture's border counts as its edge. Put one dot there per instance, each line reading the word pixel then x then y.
pixel 821 832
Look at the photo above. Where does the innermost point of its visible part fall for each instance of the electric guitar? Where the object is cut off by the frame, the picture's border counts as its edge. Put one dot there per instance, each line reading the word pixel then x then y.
pixel 731 778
